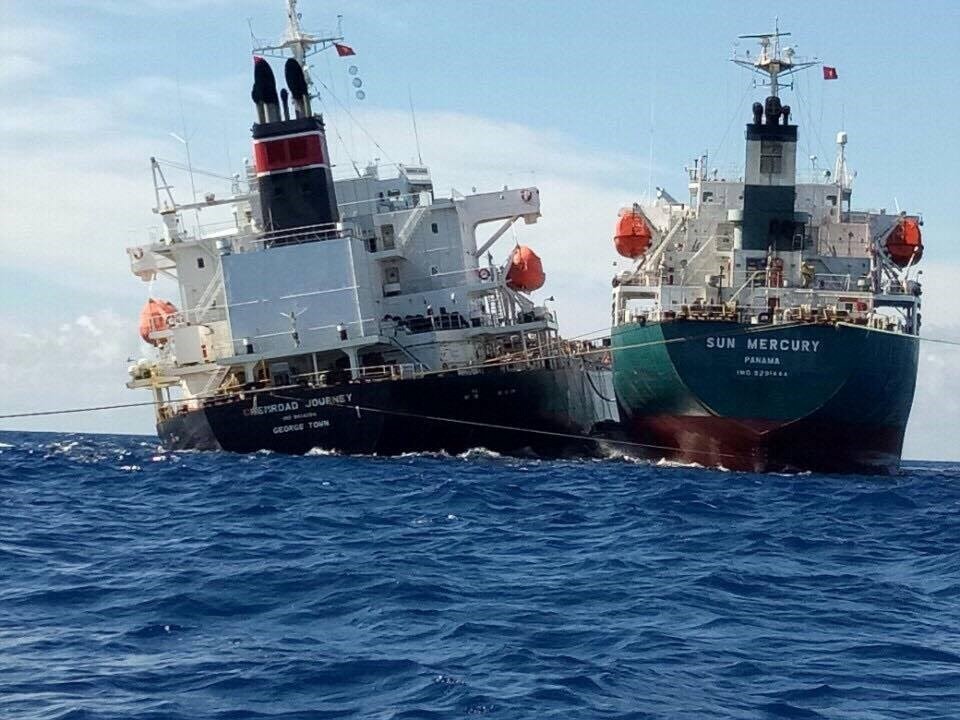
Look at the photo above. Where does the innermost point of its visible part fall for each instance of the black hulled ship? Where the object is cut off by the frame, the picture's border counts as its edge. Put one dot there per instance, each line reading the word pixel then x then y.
pixel 359 315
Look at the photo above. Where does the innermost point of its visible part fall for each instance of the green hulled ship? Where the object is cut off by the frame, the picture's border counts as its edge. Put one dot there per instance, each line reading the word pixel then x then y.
pixel 765 324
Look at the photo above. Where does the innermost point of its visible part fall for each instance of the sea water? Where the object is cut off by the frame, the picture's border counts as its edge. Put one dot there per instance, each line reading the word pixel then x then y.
pixel 136 583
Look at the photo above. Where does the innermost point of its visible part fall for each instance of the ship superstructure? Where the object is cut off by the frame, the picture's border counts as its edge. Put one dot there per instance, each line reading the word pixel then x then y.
pixel 369 293
pixel 765 323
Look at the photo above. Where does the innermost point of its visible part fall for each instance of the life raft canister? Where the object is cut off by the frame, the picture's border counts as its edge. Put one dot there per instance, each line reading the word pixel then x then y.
pixel 633 235
pixel 905 242
pixel 153 318
pixel 526 270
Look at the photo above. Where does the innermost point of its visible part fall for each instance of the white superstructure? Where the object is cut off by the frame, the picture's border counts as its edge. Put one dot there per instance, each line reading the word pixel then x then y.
pixel 802 252
pixel 400 285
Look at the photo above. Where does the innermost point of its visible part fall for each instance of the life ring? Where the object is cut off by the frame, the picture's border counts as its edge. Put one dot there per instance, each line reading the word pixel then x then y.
pixel 136 253
pixel 484 274
pixel 526 195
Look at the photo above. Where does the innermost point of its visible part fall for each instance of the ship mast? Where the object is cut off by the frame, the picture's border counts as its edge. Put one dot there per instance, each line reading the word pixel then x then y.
pixel 296 42
pixel 772 63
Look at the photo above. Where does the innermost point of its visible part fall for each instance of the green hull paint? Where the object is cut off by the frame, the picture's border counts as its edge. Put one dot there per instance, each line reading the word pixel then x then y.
pixel 772 394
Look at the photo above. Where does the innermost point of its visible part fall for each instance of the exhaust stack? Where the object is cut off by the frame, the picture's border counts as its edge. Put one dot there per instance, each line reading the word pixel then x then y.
pixel 293 73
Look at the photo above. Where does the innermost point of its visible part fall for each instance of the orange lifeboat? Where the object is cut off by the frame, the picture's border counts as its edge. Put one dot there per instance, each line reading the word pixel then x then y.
pixel 153 318
pixel 904 243
pixel 526 271
pixel 633 235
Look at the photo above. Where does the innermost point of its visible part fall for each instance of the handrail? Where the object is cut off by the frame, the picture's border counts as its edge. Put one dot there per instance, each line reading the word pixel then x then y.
pixel 322 231
pixel 753 276
pixel 392 371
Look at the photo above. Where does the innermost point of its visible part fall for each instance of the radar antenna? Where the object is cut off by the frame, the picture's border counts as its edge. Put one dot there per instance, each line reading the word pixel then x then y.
pixel 772 62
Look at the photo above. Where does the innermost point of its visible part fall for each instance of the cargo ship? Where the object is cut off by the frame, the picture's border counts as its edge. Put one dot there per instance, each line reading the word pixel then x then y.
pixel 356 315
pixel 764 324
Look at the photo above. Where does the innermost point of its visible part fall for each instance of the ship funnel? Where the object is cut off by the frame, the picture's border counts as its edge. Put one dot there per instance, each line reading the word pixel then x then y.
pixel 258 101
pixel 772 110
pixel 297 82
pixel 265 86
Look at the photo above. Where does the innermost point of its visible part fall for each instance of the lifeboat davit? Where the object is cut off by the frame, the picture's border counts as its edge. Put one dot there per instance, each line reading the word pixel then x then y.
pixel 904 243
pixel 153 318
pixel 526 270
pixel 633 235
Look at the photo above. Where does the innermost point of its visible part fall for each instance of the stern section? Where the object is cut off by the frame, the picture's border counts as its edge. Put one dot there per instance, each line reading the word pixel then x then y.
pixel 831 398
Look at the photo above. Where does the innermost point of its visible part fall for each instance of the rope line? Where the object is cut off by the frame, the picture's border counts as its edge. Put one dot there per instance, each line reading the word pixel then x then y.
pixel 552 433
pixel 664 341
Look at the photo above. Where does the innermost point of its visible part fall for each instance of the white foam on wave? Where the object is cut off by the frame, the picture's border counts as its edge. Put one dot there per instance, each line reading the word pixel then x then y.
pixel 5 445
pixel 478 452
pixel 663 462
pixel 428 454
pixel 320 452
pixel 164 458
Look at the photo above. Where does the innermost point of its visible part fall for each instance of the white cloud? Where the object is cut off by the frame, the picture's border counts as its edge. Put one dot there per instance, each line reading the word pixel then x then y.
pixel 81 363
pixel 935 421
pixel 19 69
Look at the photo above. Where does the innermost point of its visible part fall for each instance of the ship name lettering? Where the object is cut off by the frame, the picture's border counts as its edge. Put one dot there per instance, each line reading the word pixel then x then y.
pixel 783 344
pixel 760 360
pixel 721 343
pixel 271 409
pixel 342 399
pixel 280 429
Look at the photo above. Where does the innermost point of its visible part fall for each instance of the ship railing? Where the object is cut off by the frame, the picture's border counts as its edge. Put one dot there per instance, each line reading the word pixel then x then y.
pixel 487 275
pixel 444 320
pixel 367 373
pixel 304 234
pixel 377 205
pixel 750 281
pixel 218 228
pixel 319 337
pixel 199 316
pixel 841 282
pixel 827 281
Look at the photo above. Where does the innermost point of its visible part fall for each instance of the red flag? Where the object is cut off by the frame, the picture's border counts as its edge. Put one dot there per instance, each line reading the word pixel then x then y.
pixel 343 50
pixel 829 73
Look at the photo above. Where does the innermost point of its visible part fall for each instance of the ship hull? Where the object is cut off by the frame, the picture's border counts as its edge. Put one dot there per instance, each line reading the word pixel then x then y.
pixel 793 398
pixel 546 412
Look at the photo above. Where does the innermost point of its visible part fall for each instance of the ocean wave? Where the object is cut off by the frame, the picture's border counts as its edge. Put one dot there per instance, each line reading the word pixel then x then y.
pixel 144 583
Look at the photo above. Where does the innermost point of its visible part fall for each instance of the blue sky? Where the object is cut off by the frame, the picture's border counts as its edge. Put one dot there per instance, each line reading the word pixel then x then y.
pixel 557 93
